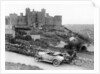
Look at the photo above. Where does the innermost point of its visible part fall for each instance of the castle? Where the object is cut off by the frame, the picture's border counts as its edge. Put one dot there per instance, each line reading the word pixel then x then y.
pixel 33 18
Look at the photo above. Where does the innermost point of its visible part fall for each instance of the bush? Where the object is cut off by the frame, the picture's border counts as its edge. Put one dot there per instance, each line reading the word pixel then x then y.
pixel 8 37
pixel 41 43
pixel 20 32
pixel 27 37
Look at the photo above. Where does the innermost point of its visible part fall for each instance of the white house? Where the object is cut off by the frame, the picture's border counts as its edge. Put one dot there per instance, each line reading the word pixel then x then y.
pixel 9 30
pixel 35 37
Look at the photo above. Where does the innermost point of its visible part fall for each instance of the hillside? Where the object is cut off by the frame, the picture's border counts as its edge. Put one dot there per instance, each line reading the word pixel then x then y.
pixel 84 30
pixel 50 38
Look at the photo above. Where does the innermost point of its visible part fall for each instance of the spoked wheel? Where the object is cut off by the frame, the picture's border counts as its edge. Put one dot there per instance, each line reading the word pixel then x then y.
pixel 56 62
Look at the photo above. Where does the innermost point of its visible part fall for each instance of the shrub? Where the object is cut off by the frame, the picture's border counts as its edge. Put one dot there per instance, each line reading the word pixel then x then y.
pixel 20 32
pixel 8 37
pixel 41 43
pixel 28 38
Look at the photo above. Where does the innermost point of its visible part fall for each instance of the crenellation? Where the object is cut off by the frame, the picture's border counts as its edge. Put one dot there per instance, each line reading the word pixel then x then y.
pixel 33 19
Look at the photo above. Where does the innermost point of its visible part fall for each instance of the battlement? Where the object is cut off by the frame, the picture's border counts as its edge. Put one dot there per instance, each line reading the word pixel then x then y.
pixel 33 18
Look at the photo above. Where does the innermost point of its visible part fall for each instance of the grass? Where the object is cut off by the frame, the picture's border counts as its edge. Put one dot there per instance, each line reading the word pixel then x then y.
pixel 52 37
pixel 86 59
pixel 18 66
pixel 85 30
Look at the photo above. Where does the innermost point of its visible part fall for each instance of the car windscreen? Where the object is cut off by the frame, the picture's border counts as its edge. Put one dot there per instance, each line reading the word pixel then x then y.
pixel 50 53
pixel 60 54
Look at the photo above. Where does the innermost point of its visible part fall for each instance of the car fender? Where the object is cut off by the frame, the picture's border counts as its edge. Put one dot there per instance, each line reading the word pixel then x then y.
pixel 59 58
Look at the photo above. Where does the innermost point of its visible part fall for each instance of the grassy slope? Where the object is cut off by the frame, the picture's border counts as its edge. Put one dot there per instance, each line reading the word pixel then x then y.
pixel 78 29
pixel 87 31
pixel 81 28
pixel 18 66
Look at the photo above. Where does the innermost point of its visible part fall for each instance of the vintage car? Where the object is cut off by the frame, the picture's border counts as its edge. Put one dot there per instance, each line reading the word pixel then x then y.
pixel 53 57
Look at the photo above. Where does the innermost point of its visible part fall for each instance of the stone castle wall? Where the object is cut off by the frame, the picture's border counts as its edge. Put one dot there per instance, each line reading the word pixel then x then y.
pixel 33 18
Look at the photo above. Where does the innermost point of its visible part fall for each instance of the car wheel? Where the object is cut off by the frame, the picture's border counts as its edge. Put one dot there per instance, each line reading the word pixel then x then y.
pixel 56 62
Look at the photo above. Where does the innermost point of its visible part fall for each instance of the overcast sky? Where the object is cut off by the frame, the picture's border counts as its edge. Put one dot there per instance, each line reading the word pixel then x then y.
pixel 73 12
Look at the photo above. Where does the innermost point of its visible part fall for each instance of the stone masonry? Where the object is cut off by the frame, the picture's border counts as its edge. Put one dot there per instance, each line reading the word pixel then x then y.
pixel 33 19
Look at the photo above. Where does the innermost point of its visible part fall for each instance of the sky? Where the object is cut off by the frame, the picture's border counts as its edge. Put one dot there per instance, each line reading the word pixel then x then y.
pixel 73 12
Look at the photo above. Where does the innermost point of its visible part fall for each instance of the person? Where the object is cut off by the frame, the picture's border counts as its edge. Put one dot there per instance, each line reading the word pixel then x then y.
pixel 74 55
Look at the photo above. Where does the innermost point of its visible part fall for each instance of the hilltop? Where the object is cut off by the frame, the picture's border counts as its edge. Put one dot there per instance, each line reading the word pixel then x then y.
pixel 86 30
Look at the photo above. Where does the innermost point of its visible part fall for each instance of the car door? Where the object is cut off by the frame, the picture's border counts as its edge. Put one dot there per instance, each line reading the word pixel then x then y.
pixel 45 56
pixel 50 56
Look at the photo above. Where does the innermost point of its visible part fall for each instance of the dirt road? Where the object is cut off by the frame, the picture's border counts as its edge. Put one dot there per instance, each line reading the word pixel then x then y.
pixel 18 58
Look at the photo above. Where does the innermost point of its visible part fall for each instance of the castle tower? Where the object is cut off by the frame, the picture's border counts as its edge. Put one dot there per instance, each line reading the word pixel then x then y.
pixel 57 20
pixel 13 19
pixel 30 17
pixel 41 18
pixel 43 11
pixel 27 11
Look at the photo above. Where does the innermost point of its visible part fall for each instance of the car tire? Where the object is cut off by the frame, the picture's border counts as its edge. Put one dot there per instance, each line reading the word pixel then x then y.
pixel 56 62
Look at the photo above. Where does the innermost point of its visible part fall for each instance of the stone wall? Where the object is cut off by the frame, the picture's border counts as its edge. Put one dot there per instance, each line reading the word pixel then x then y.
pixel 7 20
pixel 40 19
pixel 21 20
pixel 57 20
pixel 30 17
pixel 49 20
pixel 33 19
pixel 13 19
